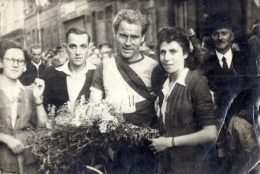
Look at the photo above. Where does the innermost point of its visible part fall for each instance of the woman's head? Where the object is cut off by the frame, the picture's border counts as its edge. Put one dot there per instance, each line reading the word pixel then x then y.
pixel 12 59
pixel 173 48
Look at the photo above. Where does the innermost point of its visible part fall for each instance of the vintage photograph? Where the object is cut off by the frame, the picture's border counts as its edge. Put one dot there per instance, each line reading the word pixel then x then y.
pixel 129 86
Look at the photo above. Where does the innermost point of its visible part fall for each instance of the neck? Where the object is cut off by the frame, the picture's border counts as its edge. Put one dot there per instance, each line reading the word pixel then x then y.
pixel 76 69
pixel 8 83
pixel 174 76
pixel 136 57
pixel 224 51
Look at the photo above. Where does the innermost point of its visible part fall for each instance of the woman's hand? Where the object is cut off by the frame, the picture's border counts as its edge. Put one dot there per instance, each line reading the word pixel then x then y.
pixel 38 90
pixel 15 145
pixel 160 144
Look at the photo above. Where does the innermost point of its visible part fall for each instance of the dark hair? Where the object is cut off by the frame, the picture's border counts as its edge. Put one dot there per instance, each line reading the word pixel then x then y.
pixel 104 45
pixel 177 34
pixel 77 30
pixel 35 46
pixel 6 45
pixel 132 17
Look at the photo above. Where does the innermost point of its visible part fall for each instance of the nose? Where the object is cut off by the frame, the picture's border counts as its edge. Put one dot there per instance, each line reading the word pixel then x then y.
pixel 77 51
pixel 167 56
pixel 15 63
pixel 128 41
pixel 220 36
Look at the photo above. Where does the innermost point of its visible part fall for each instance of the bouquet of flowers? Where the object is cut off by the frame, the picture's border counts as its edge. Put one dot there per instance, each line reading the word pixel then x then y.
pixel 79 137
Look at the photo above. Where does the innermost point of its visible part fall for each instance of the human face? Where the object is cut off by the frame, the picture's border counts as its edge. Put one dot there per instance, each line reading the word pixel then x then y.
pixel 222 39
pixel 77 49
pixel 36 55
pixel 12 70
pixel 128 40
pixel 172 57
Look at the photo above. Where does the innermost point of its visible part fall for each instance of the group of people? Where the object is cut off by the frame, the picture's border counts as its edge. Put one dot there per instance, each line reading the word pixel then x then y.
pixel 208 117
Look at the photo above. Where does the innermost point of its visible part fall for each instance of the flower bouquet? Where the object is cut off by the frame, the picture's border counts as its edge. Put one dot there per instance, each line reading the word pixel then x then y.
pixel 79 137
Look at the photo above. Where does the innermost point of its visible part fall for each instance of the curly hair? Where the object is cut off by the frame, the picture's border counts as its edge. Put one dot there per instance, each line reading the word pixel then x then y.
pixel 6 45
pixel 177 34
pixel 132 17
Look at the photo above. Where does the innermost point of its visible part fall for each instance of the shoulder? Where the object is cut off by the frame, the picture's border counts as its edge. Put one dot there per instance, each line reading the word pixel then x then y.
pixel 193 78
pixel 150 61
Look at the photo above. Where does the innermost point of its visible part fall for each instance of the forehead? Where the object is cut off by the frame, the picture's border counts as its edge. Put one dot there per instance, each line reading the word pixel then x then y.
pixel 170 45
pixel 14 53
pixel 36 50
pixel 127 28
pixel 220 30
pixel 77 39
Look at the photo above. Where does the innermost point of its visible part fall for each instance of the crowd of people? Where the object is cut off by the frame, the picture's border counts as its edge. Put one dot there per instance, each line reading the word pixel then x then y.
pixel 203 94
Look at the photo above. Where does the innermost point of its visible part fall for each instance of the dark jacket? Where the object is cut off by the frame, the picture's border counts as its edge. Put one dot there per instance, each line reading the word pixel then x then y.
pixel 56 90
pixel 31 73
pixel 189 109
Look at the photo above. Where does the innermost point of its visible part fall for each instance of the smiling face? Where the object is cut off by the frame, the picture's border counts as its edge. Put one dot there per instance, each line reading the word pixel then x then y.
pixel 222 39
pixel 128 40
pixel 172 57
pixel 77 49
pixel 12 70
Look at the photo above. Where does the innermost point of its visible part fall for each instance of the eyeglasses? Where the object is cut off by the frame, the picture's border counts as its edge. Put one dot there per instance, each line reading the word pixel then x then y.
pixel 12 61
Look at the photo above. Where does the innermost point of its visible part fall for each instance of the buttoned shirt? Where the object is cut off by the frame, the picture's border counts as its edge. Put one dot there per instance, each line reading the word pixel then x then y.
pixel 228 57
pixel 13 96
pixel 75 82
pixel 166 90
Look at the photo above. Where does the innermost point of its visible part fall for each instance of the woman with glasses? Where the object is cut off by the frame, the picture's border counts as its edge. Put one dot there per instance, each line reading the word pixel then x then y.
pixel 186 108
pixel 21 109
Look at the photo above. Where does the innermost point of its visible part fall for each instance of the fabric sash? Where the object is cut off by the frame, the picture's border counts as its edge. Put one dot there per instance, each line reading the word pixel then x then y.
pixel 132 79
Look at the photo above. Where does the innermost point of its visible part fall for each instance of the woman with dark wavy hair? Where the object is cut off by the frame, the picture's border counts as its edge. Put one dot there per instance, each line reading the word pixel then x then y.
pixel 186 108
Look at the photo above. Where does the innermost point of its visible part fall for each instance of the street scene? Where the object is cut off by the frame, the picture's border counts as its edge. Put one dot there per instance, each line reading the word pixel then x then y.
pixel 129 86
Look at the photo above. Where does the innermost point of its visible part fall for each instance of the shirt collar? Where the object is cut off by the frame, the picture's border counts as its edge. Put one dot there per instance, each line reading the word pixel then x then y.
pixel 228 55
pixel 65 68
pixel 17 86
pixel 180 80
pixel 36 64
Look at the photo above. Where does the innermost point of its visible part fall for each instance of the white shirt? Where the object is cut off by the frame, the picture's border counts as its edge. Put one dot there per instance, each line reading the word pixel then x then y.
pixel 37 66
pixel 167 91
pixel 228 56
pixel 13 96
pixel 75 82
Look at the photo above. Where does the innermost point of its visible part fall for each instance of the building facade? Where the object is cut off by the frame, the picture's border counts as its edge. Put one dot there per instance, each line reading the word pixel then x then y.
pixel 47 21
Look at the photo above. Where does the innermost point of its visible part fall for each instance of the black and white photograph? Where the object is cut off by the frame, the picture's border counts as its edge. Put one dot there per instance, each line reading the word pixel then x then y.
pixel 129 86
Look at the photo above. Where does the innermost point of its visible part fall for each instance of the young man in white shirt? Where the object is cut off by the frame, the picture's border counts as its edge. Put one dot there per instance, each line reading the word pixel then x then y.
pixel 72 80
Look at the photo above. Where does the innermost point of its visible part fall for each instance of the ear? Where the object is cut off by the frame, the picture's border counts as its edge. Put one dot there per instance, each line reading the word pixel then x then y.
pixel 24 69
pixel 142 39
pixel 232 36
pixel 1 64
pixel 64 45
pixel 185 55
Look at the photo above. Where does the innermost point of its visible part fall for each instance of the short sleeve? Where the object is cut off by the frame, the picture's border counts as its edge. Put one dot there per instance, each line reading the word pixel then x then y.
pixel 97 83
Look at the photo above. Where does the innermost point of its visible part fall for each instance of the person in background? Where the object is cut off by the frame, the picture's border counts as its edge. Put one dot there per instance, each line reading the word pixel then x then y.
pixel 147 49
pixel 60 58
pixel 105 51
pixel 185 108
pixel 226 71
pixel 72 80
pixel 20 110
pixel 126 81
pixel 35 68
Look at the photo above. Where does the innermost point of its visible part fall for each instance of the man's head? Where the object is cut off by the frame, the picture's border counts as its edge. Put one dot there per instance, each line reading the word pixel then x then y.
pixel 36 52
pixel 129 29
pixel 221 31
pixel 105 51
pixel 77 44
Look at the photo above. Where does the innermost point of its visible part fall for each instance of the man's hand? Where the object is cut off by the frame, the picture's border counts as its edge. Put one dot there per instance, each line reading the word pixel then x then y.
pixel 15 145
pixel 160 144
pixel 38 89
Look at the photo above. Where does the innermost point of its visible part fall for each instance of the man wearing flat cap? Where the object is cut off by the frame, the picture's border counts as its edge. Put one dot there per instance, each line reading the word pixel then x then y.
pixel 226 71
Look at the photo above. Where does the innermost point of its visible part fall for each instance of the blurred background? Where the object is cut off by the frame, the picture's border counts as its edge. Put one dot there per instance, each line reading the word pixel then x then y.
pixel 46 21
